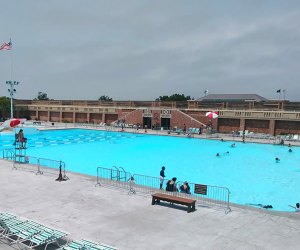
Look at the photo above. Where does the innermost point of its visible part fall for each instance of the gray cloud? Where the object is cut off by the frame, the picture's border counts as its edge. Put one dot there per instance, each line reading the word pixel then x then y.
pixel 139 50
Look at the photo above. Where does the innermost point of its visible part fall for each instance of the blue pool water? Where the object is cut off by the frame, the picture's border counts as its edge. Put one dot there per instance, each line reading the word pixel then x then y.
pixel 249 170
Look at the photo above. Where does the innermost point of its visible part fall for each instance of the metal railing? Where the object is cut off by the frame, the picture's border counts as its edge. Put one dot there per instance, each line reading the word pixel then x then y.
pixel 146 184
pixel 8 154
pixel 53 164
pixel 113 176
pixel 31 162
pixel 205 195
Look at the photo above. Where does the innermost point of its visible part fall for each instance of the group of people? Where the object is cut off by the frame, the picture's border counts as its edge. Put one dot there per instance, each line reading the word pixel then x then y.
pixel 296 207
pixel 227 152
pixel 171 184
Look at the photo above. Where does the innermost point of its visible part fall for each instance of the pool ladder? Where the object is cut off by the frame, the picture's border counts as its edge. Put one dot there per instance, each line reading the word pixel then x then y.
pixel 118 173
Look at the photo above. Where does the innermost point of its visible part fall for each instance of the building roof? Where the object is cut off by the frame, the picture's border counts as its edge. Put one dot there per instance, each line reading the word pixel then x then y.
pixel 232 97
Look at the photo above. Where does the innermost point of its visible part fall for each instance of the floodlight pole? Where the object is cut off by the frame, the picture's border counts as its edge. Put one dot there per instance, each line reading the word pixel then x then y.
pixel 11 91
pixel 284 94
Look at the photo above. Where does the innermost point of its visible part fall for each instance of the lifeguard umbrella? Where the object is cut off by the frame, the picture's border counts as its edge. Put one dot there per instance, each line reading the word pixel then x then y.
pixel 11 123
pixel 212 115
pixel 14 122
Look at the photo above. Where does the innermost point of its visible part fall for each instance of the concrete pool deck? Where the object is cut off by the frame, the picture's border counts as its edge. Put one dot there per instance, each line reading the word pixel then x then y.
pixel 111 216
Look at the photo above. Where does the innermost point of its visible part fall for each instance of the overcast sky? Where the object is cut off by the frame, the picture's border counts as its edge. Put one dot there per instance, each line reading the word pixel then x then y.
pixel 140 50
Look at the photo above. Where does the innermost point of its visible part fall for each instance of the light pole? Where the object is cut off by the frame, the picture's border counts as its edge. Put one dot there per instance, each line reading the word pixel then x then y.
pixel 11 91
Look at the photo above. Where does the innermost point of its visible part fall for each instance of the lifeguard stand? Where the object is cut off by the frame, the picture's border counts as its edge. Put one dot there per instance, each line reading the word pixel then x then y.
pixel 20 151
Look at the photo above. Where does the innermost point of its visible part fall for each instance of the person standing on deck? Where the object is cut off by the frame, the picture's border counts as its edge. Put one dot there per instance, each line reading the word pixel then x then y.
pixel 184 129
pixel 162 177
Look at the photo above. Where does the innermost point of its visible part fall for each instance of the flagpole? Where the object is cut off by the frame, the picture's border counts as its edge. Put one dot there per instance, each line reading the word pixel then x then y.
pixel 10 62
pixel 11 86
pixel 11 83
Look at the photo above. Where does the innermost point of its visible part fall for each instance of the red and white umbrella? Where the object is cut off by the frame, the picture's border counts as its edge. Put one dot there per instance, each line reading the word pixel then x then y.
pixel 14 122
pixel 11 123
pixel 212 115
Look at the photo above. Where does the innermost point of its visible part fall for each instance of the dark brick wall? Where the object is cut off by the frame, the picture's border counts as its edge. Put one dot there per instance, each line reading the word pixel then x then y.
pixel 287 127
pixel 81 117
pixel 132 117
pixel 228 125
pixel 200 116
pixel 109 118
pixel 67 117
pixel 54 116
pixel 258 126
pixel 179 119
pixel 32 115
pixel 43 116
pixel 95 118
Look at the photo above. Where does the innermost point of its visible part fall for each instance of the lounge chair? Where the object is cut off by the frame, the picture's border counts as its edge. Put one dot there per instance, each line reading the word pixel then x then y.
pixel 22 231
pixel 86 245
pixel 44 236
pixel 28 233
pixel 190 130
pixel 99 246
pixel 175 131
pixel 4 220
pixel 6 216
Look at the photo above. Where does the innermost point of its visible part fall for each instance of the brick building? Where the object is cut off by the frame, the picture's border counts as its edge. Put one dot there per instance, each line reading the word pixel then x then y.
pixel 236 112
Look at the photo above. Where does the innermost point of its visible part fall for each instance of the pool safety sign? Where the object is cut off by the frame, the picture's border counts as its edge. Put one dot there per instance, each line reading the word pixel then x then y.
pixel 200 189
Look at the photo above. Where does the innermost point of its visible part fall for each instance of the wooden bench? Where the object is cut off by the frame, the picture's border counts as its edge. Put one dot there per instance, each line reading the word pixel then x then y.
pixel 190 203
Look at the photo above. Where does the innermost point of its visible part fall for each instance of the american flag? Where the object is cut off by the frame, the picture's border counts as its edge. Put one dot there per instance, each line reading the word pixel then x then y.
pixel 6 46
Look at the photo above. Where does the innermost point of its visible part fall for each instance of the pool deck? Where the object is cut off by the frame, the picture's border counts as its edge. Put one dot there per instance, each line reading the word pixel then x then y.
pixel 112 216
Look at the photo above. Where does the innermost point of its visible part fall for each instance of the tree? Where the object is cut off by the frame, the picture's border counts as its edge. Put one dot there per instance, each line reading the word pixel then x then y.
pixel 41 96
pixel 105 98
pixel 174 98
pixel 4 107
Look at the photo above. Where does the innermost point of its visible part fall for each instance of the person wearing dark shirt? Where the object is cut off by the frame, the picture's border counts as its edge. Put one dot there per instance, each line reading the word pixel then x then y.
pixel 185 188
pixel 171 185
pixel 200 130
pixel 184 129
pixel 297 207
pixel 162 177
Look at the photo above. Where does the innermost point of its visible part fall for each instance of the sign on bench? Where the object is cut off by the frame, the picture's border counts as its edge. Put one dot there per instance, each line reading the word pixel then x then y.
pixel 190 203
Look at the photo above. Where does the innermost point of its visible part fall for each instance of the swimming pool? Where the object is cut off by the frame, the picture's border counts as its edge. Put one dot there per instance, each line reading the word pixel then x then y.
pixel 249 170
